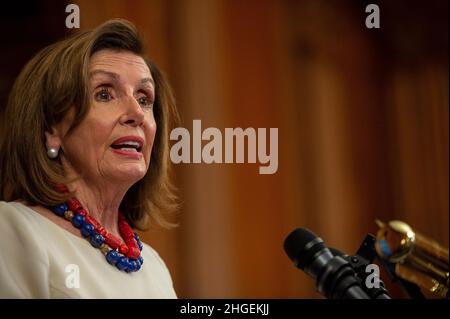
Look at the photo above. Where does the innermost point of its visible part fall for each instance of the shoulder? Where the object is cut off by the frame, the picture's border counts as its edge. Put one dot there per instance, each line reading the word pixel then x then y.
pixel 8 207
pixel 20 218
pixel 21 230
pixel 23 259
pixel 152 258
pixel 18 224
pixel 152 252
pixel 14 215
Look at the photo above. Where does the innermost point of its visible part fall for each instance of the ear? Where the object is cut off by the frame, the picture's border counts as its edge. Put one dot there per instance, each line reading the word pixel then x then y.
pixel 53 139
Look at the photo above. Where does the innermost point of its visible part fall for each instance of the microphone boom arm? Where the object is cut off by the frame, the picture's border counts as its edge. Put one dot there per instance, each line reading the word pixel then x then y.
pixel 366 255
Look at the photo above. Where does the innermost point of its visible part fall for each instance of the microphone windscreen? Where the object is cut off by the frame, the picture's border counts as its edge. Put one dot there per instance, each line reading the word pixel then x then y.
pixel 302 245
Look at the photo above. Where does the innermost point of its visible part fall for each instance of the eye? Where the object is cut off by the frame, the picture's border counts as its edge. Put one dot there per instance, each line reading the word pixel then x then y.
pixel 104 95
pixel 145 101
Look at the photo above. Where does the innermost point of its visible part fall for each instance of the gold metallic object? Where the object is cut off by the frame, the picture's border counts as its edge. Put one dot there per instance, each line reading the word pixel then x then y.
pixel 68 215
pixel 104 249
pixel 417 259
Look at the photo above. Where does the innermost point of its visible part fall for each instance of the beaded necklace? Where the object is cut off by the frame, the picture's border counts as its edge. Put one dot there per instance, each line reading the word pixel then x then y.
pixel 125 256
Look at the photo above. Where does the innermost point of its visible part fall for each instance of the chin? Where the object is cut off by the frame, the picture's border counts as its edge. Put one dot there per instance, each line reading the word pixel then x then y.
pixel 132 173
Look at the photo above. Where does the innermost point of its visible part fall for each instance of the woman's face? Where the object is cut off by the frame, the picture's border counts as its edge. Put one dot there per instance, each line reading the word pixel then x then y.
pixel 114 142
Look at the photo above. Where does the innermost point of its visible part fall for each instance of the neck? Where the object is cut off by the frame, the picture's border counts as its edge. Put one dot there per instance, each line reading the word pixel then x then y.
pixel 99 196
pixel 101 201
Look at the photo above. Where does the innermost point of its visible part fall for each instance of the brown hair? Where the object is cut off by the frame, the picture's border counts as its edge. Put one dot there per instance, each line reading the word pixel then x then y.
pixel 53 82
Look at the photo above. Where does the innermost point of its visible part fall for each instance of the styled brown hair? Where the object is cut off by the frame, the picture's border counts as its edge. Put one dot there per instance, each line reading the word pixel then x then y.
pixel 52 83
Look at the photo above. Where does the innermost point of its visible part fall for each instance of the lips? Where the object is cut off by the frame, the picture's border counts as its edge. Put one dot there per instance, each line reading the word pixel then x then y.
pixel 130 146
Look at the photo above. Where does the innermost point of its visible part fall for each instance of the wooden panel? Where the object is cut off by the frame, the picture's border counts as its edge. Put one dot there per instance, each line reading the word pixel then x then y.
pixel 362 133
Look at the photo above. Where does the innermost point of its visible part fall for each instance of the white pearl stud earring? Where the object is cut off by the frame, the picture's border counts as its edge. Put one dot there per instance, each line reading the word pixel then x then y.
pixel 52 152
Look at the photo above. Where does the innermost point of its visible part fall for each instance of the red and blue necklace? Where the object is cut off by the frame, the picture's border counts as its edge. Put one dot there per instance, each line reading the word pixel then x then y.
pixel 125 256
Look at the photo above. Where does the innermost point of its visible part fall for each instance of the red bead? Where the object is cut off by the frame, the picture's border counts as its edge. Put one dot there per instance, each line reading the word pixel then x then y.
pixel 131 243
pixel 126 232
pixel 81 211
pixel 133 253
pixel 74 204
pixel 125 226
pixel 123 249
pixel 113 237
pixel 92 221
pixel 123 223
pixel 132 246
pixel 129 239
pixel 112 241
pixel 102 231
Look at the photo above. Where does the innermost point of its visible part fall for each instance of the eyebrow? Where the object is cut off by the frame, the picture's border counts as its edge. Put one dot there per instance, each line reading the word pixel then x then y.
pixel 116 76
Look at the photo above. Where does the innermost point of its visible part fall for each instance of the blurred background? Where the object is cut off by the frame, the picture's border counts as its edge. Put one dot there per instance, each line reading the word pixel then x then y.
pixel 362 116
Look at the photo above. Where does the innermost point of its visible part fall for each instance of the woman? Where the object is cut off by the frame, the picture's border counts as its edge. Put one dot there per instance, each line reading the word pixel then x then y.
pixel 84 160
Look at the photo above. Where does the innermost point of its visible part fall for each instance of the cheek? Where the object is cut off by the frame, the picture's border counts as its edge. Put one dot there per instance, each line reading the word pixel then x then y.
pixel 150 134
pixel 150 130
pixel 103 130
pixel 153 131
pixel 85 144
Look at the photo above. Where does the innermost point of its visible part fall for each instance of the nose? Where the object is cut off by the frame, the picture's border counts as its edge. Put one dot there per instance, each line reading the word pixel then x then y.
pixel 133 114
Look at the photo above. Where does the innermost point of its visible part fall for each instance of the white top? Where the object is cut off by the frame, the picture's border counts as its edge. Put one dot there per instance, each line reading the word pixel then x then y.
pixel 39 259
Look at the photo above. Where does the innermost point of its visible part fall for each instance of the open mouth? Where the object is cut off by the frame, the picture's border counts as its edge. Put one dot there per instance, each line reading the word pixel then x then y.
pixel 128 146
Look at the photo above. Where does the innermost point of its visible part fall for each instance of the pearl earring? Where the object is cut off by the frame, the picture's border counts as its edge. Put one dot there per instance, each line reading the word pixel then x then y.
pixel 52 152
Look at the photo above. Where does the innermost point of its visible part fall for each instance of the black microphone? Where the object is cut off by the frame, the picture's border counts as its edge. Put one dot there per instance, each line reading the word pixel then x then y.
pixel 334 276
pixel 359 264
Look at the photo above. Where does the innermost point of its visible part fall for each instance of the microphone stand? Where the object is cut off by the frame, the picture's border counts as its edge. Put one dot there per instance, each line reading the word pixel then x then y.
pixel 365 255
pixel 359 262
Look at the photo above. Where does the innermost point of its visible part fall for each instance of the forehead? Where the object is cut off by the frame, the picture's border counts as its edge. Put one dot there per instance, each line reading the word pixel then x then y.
pixel 123 63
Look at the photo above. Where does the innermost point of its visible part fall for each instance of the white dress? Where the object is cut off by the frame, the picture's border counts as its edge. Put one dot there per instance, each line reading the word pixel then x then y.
pixel 39 259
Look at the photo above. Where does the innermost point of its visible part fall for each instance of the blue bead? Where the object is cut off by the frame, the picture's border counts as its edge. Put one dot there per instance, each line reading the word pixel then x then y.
pixel 138 241
pixel 60 209
pixel 87 230
pixel 97 240
pixel 141 260
pixel 78 221
pixel 113 257
pixel 123 264
pixel 138 264
pixel 133 265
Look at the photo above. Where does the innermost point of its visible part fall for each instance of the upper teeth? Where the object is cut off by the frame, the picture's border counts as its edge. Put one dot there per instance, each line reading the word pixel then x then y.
pixel 130 143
